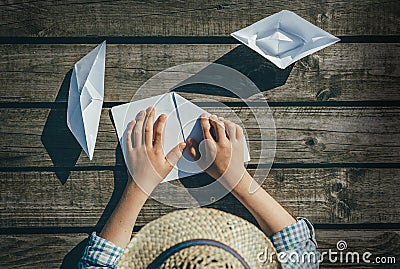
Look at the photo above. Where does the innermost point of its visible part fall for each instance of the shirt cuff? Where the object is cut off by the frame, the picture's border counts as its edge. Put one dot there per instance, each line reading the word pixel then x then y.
pixel 100 252
pixel 290 237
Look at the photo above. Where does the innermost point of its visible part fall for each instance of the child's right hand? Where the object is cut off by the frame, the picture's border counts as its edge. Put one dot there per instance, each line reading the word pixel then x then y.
pixel 222 155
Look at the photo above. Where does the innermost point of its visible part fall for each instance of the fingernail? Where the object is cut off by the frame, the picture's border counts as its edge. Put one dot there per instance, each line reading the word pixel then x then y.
pixel 204 115
pixel 149 109
pixel 214 117
pixel 140 115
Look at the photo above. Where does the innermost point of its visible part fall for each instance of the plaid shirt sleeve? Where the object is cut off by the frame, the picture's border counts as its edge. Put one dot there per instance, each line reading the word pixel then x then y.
pixel 296 245
pixel 100 253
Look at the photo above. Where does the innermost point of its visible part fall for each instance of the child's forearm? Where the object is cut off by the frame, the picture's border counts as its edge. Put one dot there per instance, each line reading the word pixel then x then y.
pixel 118 228
pixel 270 215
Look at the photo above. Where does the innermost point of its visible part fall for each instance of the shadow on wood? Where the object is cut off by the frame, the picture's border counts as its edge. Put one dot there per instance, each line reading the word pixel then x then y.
pixel 72 258
pixel 57 139
pixel 228 203
pixel 263 73
pixel 120 181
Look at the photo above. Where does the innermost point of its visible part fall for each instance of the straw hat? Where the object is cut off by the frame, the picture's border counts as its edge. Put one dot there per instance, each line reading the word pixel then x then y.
pixel 198 238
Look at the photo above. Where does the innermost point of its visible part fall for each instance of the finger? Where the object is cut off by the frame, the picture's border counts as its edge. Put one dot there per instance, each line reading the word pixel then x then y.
pixel 175 154
pixel 129 144
pixel 218 127
pixel 230 128
pixel 159 131
pixel 205 126
pixel 239 133
pixel 194 148
pixel 137 129
pixel 148 127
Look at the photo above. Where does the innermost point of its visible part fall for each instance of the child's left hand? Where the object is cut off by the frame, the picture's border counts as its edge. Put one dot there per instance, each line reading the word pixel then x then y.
pixel 145 155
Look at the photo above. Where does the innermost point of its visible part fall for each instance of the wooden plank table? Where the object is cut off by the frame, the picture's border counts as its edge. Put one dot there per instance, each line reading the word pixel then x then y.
pixel 337 117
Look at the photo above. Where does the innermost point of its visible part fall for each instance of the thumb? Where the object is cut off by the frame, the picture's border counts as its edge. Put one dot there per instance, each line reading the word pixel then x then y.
pixel 194 149
pixel 175 154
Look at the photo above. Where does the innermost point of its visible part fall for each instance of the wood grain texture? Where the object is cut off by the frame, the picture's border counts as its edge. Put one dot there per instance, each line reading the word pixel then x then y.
pixel 87 198
pixel 188 18
pixel 41 250
pixel 32 250
pixel 309 135
pixel 342 72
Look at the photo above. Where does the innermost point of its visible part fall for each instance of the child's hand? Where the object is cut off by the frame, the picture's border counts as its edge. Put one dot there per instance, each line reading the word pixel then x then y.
pixel 221 157
pixel 145 155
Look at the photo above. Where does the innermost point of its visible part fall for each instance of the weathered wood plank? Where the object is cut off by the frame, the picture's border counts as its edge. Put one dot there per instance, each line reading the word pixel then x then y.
pixel 41 250
pixel 32 250
pixel 188 18
pixel 40 137
pixel 343 72
pixel 334 195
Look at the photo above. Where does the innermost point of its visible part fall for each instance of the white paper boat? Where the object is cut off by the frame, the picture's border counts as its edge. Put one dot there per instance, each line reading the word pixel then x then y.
pixel 284 38
pixel 85 99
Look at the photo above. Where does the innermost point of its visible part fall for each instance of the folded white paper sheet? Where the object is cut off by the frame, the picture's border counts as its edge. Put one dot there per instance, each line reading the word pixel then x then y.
pixel 182 123
pixel 284 38
pixel 85 100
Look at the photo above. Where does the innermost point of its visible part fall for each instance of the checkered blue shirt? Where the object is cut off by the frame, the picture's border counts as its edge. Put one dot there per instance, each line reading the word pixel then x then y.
pixel 100 253
pixel 296 246
pixel 296 240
